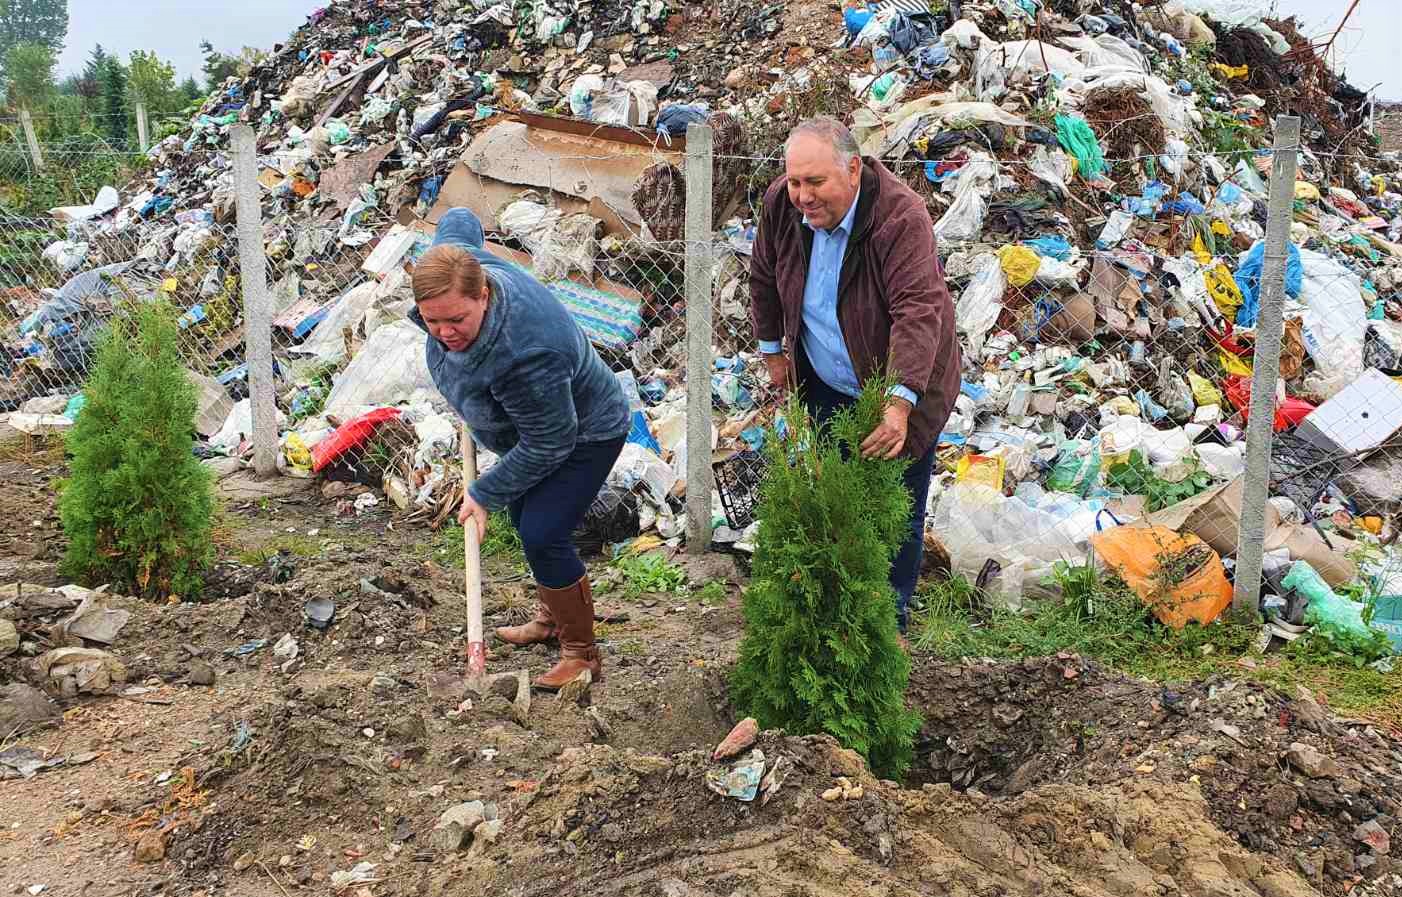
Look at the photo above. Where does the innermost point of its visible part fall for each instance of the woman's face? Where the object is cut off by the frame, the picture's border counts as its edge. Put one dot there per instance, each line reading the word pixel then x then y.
pixel 455 319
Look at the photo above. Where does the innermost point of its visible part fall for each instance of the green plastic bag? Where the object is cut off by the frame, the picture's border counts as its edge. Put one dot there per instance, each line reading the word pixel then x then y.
pixel 1335 617
pixel 1076 137
pixel 1076 472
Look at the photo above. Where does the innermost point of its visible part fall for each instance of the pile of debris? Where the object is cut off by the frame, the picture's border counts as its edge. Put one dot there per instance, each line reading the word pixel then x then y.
pixel 1097 181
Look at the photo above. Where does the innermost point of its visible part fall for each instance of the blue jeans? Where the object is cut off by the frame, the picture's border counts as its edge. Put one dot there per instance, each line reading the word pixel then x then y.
pixel 550 511
pixel 822 402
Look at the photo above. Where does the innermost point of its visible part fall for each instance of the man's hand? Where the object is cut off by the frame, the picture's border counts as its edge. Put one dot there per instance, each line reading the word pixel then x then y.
pixel 887 440
pixel 472 511
pixel 780 372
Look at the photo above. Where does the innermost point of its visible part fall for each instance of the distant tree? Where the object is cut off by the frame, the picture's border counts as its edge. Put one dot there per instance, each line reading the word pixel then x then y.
pixel 29 71
pixel 33 22
pixel 190 90
pixel 151 81
pixel 217 66
pixel 113 109
pixel 90 81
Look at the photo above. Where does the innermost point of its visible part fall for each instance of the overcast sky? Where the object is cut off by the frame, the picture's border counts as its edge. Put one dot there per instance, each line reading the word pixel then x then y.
pixel 1368 47
pixel 174 28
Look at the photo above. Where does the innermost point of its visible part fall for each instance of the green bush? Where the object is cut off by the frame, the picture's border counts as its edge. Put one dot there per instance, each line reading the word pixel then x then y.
pixel 820 651
pixel 137 506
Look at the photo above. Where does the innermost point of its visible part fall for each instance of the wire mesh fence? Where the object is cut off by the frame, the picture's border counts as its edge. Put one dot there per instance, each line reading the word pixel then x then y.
pixel 1107 359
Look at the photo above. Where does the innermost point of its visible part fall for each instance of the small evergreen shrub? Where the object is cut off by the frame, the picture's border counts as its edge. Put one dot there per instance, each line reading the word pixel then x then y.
pixel 820 651
pixel 137 505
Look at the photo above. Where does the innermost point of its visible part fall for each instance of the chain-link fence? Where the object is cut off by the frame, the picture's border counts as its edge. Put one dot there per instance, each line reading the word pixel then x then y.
pixel 1108 353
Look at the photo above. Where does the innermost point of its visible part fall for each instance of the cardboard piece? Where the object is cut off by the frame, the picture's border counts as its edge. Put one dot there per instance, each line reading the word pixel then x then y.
pixel 214 404
pixel 1215 517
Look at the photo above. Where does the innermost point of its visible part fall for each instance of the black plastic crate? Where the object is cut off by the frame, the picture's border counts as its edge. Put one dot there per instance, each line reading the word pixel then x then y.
pixel 738 479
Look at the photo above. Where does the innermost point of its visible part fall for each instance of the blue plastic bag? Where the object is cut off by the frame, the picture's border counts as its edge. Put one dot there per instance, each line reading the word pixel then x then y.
pixel 1248 280
pixel 1053 247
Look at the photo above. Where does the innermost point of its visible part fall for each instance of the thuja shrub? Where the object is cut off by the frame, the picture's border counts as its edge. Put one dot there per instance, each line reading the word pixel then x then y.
pixel 137 504
pixel 820 650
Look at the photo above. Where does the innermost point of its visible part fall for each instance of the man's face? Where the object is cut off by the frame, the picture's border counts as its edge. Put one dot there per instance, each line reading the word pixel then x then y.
pixel 820 186
pixel 454 319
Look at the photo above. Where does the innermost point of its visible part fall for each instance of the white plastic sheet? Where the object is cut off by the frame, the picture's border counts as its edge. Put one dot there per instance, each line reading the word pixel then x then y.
pixel 238 426
pixel 389 369
pixel 977 523
pixel 327 342
pixel 1334 320
pixel 1230 12
pixel 1106 50
pixel 107 200
pixel 977 309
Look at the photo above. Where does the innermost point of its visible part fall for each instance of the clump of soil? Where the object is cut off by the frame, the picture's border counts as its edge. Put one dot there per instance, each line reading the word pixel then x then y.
pixel 1009 728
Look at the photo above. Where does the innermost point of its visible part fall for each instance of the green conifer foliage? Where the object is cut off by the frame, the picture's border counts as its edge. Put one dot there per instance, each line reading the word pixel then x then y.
pixel 820 651
pixel 137 505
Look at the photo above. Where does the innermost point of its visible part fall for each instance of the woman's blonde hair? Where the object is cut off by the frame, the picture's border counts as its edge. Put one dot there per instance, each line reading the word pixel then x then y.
pixel 448 268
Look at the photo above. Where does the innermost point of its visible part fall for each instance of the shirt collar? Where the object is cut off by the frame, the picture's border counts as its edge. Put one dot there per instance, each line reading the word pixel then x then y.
pixel 845 226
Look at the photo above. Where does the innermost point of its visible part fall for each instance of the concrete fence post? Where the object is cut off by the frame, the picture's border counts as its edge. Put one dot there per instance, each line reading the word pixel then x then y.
pixel 257 301
pixel 1266 366
pixel 700 264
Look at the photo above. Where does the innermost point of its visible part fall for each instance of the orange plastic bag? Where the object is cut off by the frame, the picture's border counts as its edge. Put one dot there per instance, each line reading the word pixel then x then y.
pixel 1178 576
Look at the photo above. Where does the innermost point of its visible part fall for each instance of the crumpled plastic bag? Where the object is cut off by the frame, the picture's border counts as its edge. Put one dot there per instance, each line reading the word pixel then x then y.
pixel 979 305
pixel 1248 279
pixel 1019 264
pixel 557 243
pixel 1051 166
pixel 66 255
pixel 1221 286
pixel 1076 137
pixel 1334 321
pixel 611 103
pixel 389 369
pixel 963 220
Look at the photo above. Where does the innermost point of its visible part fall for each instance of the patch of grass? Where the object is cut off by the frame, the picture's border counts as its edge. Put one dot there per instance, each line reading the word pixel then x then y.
pixel 711 593
pixel 648 573
pixel 297 546
pixel 502 542
pixel 1101 618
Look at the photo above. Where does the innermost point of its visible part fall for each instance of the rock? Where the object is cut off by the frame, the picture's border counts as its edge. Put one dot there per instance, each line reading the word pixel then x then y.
pixel 1375 836
pixel 577 689
pixel 611 833
pixel 24 708
pixel 832 794
pixel 456 825
pixel 201 673
pixel 151 848
pixel 505 686
pixel 486 834
pixel 409 727
pixel 9 638
pixel 739 739
pixel 1311 762
pixel 245 860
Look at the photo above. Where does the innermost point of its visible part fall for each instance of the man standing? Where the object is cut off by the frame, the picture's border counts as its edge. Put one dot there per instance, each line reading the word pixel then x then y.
pixel 845 285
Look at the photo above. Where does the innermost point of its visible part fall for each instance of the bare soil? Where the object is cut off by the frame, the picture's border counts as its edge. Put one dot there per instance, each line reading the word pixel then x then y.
pixel 1046 777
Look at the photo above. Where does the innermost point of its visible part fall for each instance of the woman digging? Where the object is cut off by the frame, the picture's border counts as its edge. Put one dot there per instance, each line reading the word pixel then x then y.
pixel 513 363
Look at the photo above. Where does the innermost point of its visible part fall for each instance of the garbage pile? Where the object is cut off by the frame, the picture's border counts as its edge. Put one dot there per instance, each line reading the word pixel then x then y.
pixel 1097 180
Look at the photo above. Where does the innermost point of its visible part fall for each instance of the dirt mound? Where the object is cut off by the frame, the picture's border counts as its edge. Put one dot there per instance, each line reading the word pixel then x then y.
pixel 610 822
pixel 1125 122
pixel 1278 775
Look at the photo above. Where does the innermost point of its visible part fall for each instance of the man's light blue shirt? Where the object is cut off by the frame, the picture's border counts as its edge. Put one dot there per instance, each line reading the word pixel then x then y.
pixel 822 335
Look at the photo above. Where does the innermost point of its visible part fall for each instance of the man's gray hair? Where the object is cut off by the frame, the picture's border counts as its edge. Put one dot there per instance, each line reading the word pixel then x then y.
pixel 830 131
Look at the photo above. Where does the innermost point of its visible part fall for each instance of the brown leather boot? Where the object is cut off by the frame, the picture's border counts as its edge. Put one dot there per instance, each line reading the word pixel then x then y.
pixel 541 629
pixel 573 610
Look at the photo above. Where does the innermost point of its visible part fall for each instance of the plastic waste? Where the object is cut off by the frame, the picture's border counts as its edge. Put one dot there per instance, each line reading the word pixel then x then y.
pixel 963 220
pixel 1177 576
pixel 1076 137
pixel 1330 612
pixel 1077 468
pixel 1019 264
pixel 1248 279
pixel 979 305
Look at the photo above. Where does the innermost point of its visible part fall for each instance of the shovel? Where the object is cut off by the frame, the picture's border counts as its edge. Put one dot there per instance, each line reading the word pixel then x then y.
pixel 472 565
pixel 475 679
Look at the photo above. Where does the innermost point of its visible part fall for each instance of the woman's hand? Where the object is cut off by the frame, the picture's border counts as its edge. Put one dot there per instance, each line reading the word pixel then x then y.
pixel 472 511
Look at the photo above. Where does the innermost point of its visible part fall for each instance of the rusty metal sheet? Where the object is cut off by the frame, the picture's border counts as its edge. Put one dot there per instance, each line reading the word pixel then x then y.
pixel 341 183
pixel 587 168
pixel 594 130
